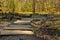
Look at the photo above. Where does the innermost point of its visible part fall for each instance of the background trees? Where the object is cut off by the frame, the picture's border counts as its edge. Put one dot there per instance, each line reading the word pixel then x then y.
pixel 41 6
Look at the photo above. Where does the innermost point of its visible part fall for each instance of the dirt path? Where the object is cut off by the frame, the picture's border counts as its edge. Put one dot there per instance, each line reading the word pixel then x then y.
pixel 19 37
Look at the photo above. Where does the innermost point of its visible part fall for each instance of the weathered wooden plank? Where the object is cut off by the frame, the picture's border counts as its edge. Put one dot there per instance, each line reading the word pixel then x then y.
pixel 17 28
pixel 12 32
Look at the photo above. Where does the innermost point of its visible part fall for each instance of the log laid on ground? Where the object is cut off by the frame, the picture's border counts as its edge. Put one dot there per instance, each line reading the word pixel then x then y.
pixel 13 32
pixel 21 22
